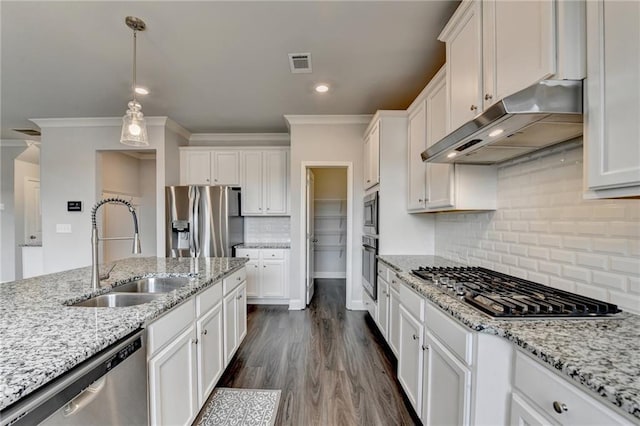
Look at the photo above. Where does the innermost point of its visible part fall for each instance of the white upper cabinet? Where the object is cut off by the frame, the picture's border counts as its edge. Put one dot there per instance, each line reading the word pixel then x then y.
pixel 417 180
pixel 612 127
pixel 372 156
pixel 265 182
pixel 518 45
pixel 209 167
pixel 463 38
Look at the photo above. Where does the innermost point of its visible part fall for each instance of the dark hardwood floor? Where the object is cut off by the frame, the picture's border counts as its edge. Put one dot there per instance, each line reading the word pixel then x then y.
pixel 331 364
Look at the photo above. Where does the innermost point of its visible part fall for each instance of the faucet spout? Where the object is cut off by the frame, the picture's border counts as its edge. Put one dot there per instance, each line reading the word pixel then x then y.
pixel 95 239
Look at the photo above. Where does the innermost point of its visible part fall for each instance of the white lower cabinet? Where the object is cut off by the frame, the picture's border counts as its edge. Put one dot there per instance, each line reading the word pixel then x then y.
pixel 173 382
pixel 383 307
pixel 210 352
pixel 446 386
pixel 410 357
pixel 394 320
pixel 266 273
pixel 189 347
pixel 523 414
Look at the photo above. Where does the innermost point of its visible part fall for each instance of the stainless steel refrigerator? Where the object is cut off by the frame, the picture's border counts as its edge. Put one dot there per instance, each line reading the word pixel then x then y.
pixel 203 221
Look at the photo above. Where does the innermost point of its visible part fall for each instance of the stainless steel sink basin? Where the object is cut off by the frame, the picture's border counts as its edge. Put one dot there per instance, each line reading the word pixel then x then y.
pixel 153 285
pixel 113 300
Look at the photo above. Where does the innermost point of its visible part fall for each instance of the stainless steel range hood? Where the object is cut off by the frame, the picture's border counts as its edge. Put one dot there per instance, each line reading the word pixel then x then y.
pixel 541 115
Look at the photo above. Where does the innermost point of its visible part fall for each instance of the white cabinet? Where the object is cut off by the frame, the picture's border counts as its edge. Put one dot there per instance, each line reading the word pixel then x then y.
pixel 383 307
pixel 463 38
pixel 209 167
pixel 235 320
pixel 410 357
pixel 173 398
pixel 267 276
pixel 265 182
pixel 372 156
pixel 370 306
pixel 394 320
pixel 523 414
pixel 447 386
pixel 210 351
pixel 612 128
pixel 417 169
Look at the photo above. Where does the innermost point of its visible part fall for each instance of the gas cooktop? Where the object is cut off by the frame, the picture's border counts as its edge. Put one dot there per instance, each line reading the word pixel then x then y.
pixel 503 296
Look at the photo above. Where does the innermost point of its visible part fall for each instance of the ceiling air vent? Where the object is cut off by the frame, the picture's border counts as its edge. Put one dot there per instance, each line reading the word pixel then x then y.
pixel 29 132
pixel 300 62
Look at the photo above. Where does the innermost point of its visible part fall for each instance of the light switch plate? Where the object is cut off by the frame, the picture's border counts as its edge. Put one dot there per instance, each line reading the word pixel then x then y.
pixel 63 228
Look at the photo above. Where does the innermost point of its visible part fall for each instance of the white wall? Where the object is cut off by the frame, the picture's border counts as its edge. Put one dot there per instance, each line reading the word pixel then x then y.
pixel 8 245
pixel 69 172
pixel 148 208
pixel 325 142
pixel 546 232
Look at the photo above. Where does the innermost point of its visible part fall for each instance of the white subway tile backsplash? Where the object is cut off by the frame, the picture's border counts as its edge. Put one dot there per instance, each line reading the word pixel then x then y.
pixel 268 229
pixel 546 232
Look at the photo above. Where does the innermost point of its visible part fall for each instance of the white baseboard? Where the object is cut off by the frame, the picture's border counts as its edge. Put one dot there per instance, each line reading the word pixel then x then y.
pixel 259 301
pixel 296 305
pixel 357 305
pixel 335 275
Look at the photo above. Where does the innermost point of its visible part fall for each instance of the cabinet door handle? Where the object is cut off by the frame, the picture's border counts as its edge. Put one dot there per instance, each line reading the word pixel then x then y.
pixel 414 337
pixel 473 107
pixel 488 97
pixel 560 407
pixel 204 332
pixel 425 348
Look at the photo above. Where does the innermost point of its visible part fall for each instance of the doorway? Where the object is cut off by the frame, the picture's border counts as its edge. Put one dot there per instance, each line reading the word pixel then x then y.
pixel 327 219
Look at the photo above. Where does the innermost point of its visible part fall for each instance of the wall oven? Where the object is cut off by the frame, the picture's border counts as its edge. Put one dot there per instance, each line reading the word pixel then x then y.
pixel 370 265
pixel 371 214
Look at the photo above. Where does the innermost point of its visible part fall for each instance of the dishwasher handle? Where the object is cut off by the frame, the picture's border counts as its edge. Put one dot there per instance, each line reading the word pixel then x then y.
pixel 85 398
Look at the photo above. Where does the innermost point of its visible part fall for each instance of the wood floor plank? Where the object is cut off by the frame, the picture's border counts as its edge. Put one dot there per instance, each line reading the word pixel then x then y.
pixel 332 365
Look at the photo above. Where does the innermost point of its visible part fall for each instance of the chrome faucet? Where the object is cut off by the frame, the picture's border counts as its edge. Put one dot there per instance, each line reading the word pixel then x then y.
pixel 95 270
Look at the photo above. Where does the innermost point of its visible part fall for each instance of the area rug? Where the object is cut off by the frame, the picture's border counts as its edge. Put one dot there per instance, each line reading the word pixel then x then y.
pixel 241 407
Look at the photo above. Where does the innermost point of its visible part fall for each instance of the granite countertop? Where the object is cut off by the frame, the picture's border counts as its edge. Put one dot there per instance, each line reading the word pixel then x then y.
pixel 264 246
pixel 601 355
pixel 41 337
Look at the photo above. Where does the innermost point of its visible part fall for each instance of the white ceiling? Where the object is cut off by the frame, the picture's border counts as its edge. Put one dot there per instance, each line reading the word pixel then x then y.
pixel 215 66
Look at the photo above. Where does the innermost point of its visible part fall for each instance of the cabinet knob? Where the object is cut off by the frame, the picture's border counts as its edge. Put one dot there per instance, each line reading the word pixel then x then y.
pixel 488 97
pixel 239 297
pixel 425 348
pixel 414 337
pixel 368 180
pixel 255 266
pixel 238 278
pixel 473 107
pixel 204 332
pixel 388 294
pixel 215 180
pixel 207 179
pixel 260 208
pixel 194 341
pixel 264 266
pixel 420 200
pixel 267 208
pixel 560 407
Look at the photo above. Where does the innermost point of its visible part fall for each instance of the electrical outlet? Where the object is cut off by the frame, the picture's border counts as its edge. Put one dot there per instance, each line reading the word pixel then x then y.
pixel 63 228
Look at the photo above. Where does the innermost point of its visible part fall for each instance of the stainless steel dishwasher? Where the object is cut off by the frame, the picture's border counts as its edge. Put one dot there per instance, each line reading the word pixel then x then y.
pixel 108 389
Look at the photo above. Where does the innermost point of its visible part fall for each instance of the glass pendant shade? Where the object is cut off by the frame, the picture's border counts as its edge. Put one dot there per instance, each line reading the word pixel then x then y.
pixel 134 128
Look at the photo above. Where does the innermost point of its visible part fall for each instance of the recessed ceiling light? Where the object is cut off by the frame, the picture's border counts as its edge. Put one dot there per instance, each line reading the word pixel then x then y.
pixel 451 155
pixel 142 90
pixel 496 132
pixel 322 88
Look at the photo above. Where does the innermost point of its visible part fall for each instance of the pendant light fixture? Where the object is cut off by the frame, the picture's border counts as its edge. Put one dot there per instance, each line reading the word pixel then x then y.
pixel 134 128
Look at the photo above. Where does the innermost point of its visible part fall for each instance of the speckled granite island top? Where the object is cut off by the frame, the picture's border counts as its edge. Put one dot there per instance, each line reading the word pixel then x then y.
pixel 602 355
pixel 264 246
pixel 41 337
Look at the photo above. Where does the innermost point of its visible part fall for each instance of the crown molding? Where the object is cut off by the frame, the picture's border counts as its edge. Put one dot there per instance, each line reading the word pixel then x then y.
pixel 327 119
pixel 203 139
pixel 173 125
pixel 93 122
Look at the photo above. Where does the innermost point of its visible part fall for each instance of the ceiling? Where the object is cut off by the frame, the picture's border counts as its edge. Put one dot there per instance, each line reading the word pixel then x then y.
pixel 215 66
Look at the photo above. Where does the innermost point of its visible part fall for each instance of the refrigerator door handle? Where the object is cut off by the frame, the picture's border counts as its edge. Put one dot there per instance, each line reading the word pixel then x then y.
pixel 192 226
pixel 196 222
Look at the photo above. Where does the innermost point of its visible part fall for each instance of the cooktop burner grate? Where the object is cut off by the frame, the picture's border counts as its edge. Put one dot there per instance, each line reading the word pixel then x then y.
pixel 504 296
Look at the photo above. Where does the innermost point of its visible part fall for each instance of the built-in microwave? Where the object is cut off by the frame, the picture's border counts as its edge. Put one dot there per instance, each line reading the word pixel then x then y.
pixel 371 214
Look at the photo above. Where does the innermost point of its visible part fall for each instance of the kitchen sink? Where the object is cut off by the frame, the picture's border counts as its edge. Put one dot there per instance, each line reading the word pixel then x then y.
pixel 114 300
pixel 153 285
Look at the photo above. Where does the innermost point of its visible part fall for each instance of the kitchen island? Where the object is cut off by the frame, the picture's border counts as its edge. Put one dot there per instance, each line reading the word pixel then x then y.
pixel 42 336
pixel 599 355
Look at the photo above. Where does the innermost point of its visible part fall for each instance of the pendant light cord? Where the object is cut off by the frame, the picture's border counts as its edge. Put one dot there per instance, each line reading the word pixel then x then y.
pixel 134 65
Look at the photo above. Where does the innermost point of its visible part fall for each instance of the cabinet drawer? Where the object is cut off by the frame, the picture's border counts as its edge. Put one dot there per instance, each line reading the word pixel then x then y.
pixel 248 253
pixel 384 272
pixel 233 280
pixel 455 337
pixel 394 281
pixel 272 254
pixel 168 326
pixel 412 302
pixel 208 299
pixel 543 388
